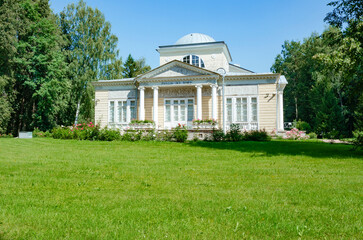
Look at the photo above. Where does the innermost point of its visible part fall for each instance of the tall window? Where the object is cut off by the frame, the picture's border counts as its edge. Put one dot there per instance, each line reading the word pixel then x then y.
pixel 179 110
pixel 241 109
pixel 112 112
pixel 122 111
pixel 194 60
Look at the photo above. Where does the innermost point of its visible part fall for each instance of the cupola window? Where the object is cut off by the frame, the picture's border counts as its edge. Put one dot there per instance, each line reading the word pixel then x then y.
pixel 194 60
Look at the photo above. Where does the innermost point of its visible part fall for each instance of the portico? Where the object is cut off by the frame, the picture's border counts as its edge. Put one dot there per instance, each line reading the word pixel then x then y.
pixel 180 103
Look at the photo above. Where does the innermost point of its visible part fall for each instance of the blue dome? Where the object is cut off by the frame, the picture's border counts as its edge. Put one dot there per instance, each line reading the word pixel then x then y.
pixel 194 38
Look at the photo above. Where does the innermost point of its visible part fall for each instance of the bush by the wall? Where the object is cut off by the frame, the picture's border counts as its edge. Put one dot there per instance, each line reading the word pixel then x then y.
pixel 234 133
pixel 218 135
pixel 109 135
pixel 256 135
pixel 180 133
pixel 165 135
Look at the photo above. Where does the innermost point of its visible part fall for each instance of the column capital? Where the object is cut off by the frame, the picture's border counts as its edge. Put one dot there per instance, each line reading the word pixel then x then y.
pixel 199 86
pixel 141 88
pixel 155 87
pixel 213 85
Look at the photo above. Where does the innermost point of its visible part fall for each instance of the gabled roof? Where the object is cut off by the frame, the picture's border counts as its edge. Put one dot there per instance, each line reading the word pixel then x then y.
pixel 178 68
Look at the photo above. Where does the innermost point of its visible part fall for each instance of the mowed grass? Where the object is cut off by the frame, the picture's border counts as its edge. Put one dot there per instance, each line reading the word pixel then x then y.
pixel 65 189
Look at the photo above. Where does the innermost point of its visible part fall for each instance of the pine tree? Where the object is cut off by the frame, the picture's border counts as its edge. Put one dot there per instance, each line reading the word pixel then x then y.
pixel 132 68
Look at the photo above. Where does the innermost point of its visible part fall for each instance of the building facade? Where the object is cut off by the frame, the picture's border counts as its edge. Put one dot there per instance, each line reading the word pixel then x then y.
pixel 189 85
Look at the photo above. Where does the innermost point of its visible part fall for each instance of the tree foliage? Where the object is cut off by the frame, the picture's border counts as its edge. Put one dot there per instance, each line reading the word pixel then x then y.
pixel 48 61
pixel 325 73
pixel 32 65
pixel 91 53
pixel 132 68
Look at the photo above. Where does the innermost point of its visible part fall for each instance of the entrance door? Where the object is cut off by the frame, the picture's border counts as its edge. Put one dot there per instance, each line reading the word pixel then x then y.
pixel 178 111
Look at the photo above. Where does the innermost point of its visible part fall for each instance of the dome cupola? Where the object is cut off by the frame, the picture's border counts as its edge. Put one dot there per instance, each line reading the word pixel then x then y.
pixel 194 38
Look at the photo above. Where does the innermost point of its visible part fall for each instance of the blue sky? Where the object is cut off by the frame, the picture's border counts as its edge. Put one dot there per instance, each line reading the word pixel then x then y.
pixel 253 30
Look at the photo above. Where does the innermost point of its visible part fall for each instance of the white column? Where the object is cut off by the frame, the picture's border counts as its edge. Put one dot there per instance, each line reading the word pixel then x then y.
pixel 142 103
pixel 199 101
pixel 214 101
pixel 155 106
pixel 280 110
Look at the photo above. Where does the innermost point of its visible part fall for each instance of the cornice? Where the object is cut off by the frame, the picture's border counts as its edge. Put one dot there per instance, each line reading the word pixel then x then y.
pixel 252 77
pixel 181 78
pixel 112 83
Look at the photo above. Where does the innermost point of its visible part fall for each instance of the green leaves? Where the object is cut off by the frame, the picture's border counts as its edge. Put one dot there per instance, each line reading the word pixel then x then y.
pixel 91 52
pixel 133 68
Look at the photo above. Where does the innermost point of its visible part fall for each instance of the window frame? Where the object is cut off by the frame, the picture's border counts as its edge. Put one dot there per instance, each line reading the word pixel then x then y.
pixel 201 63
pixel 186 104
pixel 249 109
pixel 116 110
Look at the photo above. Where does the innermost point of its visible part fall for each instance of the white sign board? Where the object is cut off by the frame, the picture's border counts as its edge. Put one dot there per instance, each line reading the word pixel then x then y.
pixel 25 135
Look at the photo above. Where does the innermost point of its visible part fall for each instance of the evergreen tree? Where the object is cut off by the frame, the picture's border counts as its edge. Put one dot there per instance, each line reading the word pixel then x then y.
pixel 132 68
pixel 33 66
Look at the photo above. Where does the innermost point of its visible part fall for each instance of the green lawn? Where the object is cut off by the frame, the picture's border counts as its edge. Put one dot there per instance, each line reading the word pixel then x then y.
pixel 59 189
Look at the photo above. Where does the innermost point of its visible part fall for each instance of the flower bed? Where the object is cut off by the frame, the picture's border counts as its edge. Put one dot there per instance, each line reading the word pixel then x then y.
pixel 295 134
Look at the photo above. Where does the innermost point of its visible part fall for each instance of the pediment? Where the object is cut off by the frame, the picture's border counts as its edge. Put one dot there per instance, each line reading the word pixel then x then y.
pixel 175 69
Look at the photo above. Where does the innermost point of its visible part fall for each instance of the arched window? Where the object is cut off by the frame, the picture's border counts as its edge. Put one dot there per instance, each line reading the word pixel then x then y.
pixel 194 60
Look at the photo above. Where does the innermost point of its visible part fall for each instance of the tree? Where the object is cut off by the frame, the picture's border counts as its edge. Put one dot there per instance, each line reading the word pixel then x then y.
pixel 345 11
pixel 133 68
pixel 347 54
pixel 297 63
pixel 32 68
pixel 10 24
pixel 91 53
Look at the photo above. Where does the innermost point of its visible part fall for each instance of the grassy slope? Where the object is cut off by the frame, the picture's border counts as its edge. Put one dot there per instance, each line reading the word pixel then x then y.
pixel 56 189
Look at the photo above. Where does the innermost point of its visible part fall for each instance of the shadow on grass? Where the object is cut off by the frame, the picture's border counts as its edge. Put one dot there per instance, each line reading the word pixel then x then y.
pixel 292 148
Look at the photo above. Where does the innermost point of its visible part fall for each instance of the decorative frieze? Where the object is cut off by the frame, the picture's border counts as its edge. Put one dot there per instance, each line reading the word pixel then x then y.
pixel 180 92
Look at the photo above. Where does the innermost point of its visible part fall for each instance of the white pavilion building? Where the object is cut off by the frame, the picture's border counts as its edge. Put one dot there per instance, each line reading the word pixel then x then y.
pixel 188 85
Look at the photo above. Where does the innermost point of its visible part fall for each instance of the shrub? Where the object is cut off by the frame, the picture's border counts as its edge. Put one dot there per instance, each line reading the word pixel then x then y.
pixel 82 131
pixel 149 136
pixel 334 134
pixel 62 133
pixel 303 126
pixel 165 135
pixel 234 133
pixel 256 135
pixel 295 134
pixel 134 135
pixel 358 139
pixel 313 135
pixel 218 135
pixel 6 135
pixel 109 135
pixel 38 133
pixel 180 133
